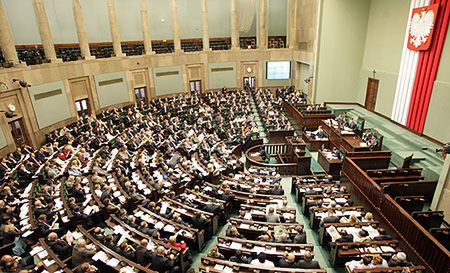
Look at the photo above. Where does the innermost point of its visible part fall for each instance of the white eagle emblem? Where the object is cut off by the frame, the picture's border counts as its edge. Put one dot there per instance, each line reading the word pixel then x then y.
pixel 420 28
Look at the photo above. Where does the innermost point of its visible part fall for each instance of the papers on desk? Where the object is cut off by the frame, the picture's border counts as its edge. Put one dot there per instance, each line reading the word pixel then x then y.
pixel 113 262
pixel 363 144
pixel 159 225
pixel 100 256
pixel 235 245
pixel 122 199
pixel 164 206
pixel 340 200
pixel 48 262
pixel 374 250
pixel 259 249
pixel 219 267
pixel 244 226
pixel 127 269
pixel 36 250
pixel 387 249
pixel 169 228
pixel 334 234
pixel 42 254
pixel 27 233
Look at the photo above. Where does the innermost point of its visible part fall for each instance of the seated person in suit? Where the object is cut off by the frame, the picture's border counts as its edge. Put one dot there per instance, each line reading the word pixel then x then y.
pixel 288 261
pixel 399 259
pixel 272 216
pixel 345 237
pixel 330 218
pixel 233 232
pixel 161 263
pixel 319 133
pixel 214 253
pixel 378 261
pixel 262 261
pixel 238 257
pixel 367 135
pixel 365 262
pixel 60 247
pixel 143 255
pixel 382 235
pixel 277 190
pixel 308 262
pixel 86 268
pixel 335 153
pixel 82 252
pixel 300 237
pixel 363 236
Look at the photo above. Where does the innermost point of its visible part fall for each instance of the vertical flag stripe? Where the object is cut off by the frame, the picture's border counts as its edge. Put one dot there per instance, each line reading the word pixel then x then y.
pixel 427 71
pixel 408 67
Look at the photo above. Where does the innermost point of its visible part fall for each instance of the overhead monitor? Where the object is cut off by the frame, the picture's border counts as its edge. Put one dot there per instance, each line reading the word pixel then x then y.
pixel 278 70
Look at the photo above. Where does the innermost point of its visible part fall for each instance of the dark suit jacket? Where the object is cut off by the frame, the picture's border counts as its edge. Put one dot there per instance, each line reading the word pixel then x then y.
pixel 309 265
pixel 161 263
pixel 143 255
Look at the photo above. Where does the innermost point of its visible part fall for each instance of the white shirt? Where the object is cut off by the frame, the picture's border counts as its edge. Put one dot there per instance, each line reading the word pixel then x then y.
pixel 267 263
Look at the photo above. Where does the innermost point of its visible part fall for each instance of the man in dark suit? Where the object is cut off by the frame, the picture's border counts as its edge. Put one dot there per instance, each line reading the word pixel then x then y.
pixel 331 218
pixel 288 261
pixel 382 235
pixel 60 247
pixel 345 237
pixel 143 255
pixel 308 262
pixel 161 263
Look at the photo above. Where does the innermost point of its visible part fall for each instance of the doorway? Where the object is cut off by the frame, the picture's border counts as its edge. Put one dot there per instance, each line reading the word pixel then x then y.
pixel 371 94
pixel 82 107
pixel 249 82
pixel 18 132
pixel 196 87
pixel 140 94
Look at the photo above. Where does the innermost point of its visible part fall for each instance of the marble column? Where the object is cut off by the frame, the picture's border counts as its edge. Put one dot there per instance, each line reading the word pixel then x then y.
pixel 6 38
pixel 205 27
pixel 44 30
pixel 176 26
pixel 146 28
pixel 234 26
pixel 81 30
pixel 292 38
pixel 262 26
pixel 114 27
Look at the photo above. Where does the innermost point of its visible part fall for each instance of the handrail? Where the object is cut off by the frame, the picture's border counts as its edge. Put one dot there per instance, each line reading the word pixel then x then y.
pixel 435 256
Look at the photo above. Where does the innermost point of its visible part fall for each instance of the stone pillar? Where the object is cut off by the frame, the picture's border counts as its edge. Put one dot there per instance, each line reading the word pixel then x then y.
pixel 205 25
pixel 114 27
pixel 44 30
pixel 6 38
pixel 81 30
pixel 234 26
pixel 176 26
pixel 292 38
pixel 262 26
pixel 146 28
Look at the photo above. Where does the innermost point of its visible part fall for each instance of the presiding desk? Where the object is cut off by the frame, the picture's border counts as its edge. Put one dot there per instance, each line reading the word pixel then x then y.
pixel 342 138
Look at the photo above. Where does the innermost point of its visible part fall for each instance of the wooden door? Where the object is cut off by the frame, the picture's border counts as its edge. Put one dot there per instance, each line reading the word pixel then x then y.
pixel 18 132
pixel 371 94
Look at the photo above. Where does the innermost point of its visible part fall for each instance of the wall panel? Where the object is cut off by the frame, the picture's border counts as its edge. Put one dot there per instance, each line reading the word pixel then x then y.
pixel 112 89
pixel 50 103
pixel 222 75
pixel 168 80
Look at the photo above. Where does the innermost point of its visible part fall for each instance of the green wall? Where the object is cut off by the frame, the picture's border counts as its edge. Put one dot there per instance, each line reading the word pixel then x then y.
pixel 222 75
pixel 341 49
pixel 278 14
pixel 112 89
pixel 383 50
pixel 168 80
pixel 45 114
